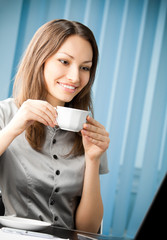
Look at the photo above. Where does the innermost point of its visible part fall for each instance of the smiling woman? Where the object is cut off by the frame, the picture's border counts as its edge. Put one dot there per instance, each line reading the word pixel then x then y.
pixel 47 173
pixel 67 72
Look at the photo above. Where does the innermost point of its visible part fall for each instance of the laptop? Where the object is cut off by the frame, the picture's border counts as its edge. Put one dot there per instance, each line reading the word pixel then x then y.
pixel 154 225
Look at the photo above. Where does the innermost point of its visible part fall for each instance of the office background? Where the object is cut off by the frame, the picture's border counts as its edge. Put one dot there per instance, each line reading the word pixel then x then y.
pixel 130 91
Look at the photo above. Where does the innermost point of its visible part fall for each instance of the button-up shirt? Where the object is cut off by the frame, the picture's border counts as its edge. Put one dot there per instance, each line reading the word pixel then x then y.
pixel 43 185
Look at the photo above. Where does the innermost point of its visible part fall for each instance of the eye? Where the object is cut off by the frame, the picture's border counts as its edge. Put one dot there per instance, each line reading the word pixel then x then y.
pixel 87 69
pixel 63 61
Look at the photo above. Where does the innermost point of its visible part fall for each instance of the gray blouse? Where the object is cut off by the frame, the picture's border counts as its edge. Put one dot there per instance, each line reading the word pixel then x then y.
pixel 42 185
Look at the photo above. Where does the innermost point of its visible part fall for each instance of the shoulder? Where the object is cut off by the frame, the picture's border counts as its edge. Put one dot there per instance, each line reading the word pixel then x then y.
pixel 8 109
pixel 8 102
pixel 8 106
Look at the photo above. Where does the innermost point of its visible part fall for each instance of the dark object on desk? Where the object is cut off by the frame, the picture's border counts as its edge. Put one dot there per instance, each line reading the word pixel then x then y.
pixel 2 209
pixel 77 235
pixel 153 224
pixel 64 234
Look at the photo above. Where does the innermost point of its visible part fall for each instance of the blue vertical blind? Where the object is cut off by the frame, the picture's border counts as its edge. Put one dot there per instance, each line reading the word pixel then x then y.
pixel 129 94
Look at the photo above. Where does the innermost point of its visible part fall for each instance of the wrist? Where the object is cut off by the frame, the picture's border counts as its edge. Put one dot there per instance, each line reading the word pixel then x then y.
pixel 92 158
pixel 95 162
pixel 10 131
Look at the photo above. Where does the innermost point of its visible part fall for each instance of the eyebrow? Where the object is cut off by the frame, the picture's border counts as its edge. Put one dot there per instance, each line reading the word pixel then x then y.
pixel 89 61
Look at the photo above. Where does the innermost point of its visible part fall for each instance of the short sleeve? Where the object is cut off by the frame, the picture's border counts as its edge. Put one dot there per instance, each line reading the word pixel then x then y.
pixel 7 111
pixel 103 164
pixel 2 116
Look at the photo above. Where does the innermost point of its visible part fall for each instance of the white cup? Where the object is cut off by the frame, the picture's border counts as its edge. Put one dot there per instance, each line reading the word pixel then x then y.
pixel 71 119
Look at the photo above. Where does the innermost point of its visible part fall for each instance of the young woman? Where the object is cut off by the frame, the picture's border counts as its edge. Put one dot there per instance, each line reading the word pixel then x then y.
pixel 47 173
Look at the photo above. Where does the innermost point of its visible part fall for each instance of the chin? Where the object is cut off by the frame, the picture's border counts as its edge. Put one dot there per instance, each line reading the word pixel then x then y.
pixel 67 98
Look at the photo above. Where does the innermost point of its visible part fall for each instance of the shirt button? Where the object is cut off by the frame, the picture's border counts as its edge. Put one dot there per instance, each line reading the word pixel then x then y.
pixel 57 190
pixel 55 156
pixel 57 172
pixel 54 141
pixel 56 218
pixel 52 201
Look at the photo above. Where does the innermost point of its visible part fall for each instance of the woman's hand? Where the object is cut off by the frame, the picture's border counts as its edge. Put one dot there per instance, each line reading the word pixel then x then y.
pixel 95 138
pixel 33 110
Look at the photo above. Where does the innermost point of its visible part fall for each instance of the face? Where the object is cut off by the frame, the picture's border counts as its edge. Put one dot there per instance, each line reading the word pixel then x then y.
pixel 67 72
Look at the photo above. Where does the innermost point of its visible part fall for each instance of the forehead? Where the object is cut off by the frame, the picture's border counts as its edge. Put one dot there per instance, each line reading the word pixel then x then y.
pixel 77 46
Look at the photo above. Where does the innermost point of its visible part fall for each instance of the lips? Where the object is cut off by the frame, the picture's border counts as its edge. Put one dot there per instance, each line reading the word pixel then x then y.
pixel 68 87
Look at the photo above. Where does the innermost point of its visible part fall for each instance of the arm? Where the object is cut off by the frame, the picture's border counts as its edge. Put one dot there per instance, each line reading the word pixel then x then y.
pixel 30 111
pixel 90 210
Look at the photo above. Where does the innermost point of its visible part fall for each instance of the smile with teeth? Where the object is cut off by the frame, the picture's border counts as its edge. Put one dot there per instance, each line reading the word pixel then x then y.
pixel 67 86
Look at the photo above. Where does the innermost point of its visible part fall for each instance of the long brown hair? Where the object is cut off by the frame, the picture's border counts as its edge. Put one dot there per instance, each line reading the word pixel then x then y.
pixel 29 81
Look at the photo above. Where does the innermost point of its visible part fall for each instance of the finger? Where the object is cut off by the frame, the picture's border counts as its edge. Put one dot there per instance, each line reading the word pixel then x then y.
pixel 100 144
pixel 49 110
pixel 36 115
pixel 96 136
pixel 94 122
pixel 45 111
pixel 95 129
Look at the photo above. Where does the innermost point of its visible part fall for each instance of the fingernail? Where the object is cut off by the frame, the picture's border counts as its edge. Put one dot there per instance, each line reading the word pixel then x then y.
pixel 83 131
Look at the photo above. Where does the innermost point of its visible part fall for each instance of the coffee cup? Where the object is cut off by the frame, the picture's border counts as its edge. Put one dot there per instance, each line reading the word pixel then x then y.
pixel 71 119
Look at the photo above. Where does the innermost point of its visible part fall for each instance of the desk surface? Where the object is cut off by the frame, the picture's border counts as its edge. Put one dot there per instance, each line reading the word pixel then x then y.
pixel 74 234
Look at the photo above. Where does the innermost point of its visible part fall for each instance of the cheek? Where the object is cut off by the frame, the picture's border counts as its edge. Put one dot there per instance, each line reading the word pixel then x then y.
pixel 51 72
pixel 85 80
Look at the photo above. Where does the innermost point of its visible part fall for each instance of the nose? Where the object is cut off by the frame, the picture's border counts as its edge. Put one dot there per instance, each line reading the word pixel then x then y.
pixel 73 74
